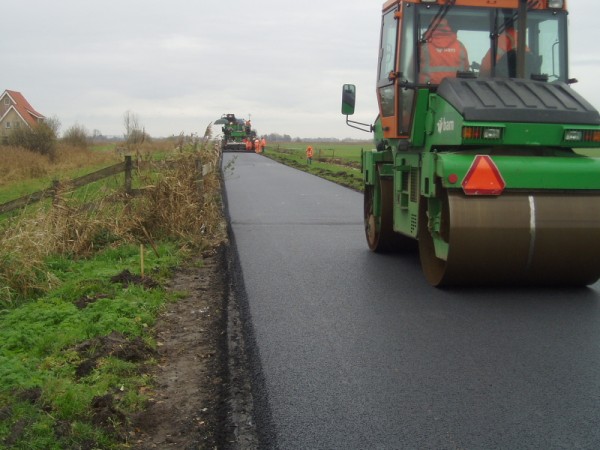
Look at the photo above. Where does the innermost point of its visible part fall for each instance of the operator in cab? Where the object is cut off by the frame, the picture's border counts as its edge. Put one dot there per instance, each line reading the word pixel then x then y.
pixel 443 55
pixel 506 48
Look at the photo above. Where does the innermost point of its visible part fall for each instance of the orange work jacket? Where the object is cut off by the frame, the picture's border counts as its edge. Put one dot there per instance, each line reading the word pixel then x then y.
pixel 442 56
pixel 309 152
pixel 507 41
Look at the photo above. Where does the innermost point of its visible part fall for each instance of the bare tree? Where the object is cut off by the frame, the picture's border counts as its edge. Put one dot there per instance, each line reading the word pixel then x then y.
pixel 135 134
pixel 131 122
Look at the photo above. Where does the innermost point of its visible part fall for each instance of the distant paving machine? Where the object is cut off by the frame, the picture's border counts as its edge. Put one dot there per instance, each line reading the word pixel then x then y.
pixel 479 169
pixel 235 132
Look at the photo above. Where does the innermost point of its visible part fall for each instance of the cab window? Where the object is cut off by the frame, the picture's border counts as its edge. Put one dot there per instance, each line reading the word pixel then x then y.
pixel 387 63
pixel 486 33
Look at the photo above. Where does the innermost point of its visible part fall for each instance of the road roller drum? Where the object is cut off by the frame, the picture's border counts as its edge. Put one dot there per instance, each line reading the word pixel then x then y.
pixel 536 238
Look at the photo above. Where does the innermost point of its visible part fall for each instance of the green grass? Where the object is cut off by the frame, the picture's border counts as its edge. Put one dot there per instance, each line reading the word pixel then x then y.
pixel 345 152
pixel 74 343
pixel 105 147
pixel 27 187
pixel 336 162
pixel 42 347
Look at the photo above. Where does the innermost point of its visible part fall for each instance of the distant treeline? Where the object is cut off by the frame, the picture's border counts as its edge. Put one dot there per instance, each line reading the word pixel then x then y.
pixel 272 137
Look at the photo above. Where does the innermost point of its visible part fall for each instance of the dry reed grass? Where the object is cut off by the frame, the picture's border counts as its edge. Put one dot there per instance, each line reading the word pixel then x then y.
pixel 174 207
pixel 18 164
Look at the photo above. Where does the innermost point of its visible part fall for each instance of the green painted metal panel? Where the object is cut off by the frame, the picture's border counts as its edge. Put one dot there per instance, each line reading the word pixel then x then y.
pixel 444 124
pixel 368 167
pixel 443 127
pixel 527 172
pixel 370 161
pixel 386 170
pixel 406 193
pixel 428 162
pixel 419 125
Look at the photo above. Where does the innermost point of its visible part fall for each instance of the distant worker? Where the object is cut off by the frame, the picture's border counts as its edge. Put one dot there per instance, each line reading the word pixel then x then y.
pixel 256 145
pixel 248 126
pixel 309 154
pixel 248 145
pixel 263 144
pixel 442 55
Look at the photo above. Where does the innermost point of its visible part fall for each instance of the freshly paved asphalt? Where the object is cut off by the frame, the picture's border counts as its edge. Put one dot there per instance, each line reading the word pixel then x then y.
pixel 356 351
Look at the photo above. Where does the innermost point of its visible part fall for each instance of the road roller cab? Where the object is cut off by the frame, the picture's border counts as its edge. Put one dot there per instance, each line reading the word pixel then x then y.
pixel 479 142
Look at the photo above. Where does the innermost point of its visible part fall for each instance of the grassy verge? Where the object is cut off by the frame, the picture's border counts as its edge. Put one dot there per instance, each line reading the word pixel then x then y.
pixel 334 162
pixel 77 307
pixel 69 360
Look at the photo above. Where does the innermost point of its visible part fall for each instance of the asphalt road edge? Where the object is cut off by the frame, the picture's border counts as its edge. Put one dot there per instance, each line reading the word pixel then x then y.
pixel 250 423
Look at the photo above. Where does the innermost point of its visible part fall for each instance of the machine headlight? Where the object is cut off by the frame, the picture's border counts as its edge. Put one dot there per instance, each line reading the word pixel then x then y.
pixel 582 136
pixel 556 4
pixel 492 133
pixel 573 135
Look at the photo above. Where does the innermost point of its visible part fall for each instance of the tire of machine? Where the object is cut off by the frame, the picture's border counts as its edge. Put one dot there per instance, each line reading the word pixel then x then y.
pixel 379 230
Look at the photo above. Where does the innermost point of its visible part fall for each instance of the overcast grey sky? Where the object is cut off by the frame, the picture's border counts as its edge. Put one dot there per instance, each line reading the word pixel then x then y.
pixel 178 65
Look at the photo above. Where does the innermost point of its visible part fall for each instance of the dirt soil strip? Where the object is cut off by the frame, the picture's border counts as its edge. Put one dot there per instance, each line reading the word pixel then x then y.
pixel 202 395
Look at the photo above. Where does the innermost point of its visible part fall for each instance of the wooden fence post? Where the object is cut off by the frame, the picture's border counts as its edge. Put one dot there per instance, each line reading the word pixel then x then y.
pixel 55 194
pixel 128 167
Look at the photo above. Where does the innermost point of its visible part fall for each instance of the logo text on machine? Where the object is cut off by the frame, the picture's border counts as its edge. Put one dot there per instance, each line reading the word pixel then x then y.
pixel 445 125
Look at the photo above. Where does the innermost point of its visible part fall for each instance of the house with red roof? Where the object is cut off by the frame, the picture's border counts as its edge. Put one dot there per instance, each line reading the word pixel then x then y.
pixel 16 112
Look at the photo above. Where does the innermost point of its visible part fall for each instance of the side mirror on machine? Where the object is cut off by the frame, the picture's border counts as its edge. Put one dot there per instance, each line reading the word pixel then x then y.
pixel 348 99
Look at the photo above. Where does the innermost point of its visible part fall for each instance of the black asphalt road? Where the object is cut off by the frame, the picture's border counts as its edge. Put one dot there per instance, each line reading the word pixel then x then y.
pixel 357 351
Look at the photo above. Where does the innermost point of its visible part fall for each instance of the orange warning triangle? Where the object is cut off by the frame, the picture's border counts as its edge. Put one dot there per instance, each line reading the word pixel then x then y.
pixel 483 177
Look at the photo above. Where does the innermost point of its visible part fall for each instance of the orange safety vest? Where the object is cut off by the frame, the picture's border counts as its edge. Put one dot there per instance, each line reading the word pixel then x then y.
pixel 443 56
pixel 507 41
pixel 309 152
pixel 248 144
pixel 257 146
